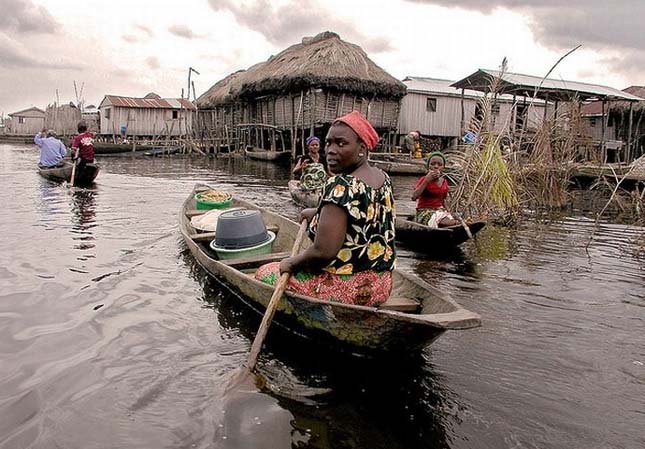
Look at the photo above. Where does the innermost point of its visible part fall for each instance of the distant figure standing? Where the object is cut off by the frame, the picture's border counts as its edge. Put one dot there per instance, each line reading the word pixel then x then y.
pixel 84 143
pixel 52 150
pixel 411 141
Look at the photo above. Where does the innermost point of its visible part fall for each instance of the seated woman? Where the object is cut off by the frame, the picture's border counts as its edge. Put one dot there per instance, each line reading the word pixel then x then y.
pixel 352 256
pixel 311 167
pixel 430 192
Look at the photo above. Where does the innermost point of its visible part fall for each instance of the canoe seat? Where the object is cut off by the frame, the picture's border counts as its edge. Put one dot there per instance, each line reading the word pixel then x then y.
pixel 400 304
pixel 254 261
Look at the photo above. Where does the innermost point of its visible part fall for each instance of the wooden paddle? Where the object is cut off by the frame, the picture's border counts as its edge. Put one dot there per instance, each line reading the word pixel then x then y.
pixel 466 228
pixel 71 178
pixel 280 286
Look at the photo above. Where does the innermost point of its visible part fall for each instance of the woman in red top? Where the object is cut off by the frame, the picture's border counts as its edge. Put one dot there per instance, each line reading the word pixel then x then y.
pixel 430 192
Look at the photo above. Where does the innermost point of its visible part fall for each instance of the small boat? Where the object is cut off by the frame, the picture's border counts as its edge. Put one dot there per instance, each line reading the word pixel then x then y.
pixel 425 238
pixel 84 175
pixel 422 237
pixel 408 167
pixel 265 155
pixel 304 197
pixel 415 315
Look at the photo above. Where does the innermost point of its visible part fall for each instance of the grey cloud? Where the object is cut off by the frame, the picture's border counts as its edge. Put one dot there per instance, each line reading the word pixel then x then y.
pixel 152 62
pixel 23 16
pixel 592 23
pixel 289 23
pixel 605 27
pixel 182 31
pixel 13 57
pixel 145 29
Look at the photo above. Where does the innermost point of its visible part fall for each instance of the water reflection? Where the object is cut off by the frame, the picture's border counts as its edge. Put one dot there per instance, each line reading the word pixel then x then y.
pixel 398 402
pixel 83 217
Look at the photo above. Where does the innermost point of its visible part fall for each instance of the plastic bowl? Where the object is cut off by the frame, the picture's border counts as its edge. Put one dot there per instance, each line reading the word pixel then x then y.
pixel 262 248
pixel 205 204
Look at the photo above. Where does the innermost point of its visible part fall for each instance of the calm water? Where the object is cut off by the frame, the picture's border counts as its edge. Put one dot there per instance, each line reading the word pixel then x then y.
pixel 112 337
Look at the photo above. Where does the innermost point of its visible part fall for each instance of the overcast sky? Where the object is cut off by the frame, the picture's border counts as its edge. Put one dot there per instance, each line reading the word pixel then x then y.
pixel 132 47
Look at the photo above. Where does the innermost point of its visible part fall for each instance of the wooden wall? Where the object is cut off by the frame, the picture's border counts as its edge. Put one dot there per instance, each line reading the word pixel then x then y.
pixel 145 121
pixel 304 110
pixel 30 126
pixel 445 121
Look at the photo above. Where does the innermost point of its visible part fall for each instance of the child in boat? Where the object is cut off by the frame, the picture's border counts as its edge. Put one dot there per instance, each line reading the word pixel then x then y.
pixel 430 192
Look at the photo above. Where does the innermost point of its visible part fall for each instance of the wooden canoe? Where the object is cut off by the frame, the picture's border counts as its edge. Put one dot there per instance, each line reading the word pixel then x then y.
pixel 83 176
pixel 304 197
pixel 408 167
pixel 414 316
pixel 264 155
pixel 424 238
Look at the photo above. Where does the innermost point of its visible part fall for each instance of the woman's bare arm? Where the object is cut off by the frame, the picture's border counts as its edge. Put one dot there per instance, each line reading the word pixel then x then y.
pixel 330 236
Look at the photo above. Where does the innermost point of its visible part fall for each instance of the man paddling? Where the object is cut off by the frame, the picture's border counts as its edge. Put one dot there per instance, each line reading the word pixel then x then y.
pixel 52 150
pixel 83 144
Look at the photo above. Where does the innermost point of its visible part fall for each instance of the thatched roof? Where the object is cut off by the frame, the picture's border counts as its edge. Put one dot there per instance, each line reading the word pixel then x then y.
pixel 222 92
pixel 324 61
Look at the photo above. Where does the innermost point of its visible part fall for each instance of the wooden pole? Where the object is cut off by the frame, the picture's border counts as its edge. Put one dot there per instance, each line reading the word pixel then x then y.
pixel 462 126
pixel 628 152
pixel 603 155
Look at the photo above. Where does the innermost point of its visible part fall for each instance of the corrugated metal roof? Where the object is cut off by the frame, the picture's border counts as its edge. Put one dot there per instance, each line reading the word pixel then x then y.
pixel 595 107
pixel 149 103
pixel 548 88
pixel 438 86
pixel 24 111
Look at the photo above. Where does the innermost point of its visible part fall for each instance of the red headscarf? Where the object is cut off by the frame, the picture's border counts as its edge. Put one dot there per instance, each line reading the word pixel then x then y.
pixel 361 126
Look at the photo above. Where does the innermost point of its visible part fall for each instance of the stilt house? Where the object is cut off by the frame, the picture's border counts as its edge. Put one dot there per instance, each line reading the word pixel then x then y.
pixel 26 122
pixel 619 121
pixel 150 116
pixel 434 108
pixel 297 93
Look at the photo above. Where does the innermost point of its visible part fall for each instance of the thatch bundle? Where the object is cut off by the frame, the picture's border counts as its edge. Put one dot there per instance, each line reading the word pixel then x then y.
pixel 63 119
pixel 324 61
pixel 223 92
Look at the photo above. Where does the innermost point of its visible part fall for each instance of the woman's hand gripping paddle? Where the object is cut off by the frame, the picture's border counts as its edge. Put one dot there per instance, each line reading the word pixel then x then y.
pixel 240 381
pixel 280 286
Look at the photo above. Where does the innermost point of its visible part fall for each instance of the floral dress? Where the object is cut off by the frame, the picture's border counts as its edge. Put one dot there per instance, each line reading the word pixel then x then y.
pixel 313 176
pixel 361 272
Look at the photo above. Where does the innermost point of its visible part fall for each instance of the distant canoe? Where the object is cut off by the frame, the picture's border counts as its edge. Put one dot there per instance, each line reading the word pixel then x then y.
pixel 83 176
pixel 265 155
pixel 407 167
pixel 415 315
pixel 304 197
pixel 424 238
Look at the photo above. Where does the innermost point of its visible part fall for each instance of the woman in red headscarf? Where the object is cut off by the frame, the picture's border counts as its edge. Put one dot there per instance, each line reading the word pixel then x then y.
pixel 352 256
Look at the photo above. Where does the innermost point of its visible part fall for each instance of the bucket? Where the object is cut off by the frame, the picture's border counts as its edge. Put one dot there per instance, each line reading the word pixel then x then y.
pixel 240 228
pixel 262 248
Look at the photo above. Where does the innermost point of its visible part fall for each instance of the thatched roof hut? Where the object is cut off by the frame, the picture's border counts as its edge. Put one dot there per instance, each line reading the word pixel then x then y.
pixel 303 88
pixel 324 61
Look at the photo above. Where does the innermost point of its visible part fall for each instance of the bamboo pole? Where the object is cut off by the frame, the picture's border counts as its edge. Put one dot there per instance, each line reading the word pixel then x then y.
pixel 603 155
pixel 628 153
